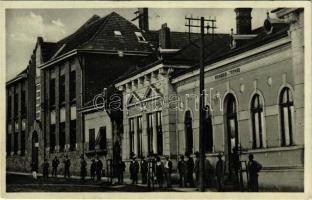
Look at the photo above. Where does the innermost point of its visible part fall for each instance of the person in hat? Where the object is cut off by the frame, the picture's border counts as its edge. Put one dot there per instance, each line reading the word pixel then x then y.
pixel 83 168
pixel 168 171
pixel 253 168
pixel 98 168
pixel 220 171
pixel 92 169
pixel 144 170
pixel 45 171
pixel 66 167
pixel 55 164
pixel 190 170
pixel 181 170
pixel 159 172
pixel 196 168
pixel 134 169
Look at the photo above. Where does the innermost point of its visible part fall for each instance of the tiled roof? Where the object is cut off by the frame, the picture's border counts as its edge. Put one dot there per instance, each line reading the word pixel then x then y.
pixel 19 76
pixel 98 34
pixel 262 38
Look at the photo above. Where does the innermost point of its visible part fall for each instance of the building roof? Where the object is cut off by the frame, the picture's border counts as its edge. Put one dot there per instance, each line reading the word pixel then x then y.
pixel 279 31
pixel 98 34
pixel 19 76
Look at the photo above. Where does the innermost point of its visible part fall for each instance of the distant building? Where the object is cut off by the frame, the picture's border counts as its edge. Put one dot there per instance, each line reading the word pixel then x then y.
pixel 255 102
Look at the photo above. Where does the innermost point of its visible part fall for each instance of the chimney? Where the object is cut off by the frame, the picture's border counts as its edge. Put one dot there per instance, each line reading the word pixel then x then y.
pixel 143 19
pixel 243 20
pixel 164 37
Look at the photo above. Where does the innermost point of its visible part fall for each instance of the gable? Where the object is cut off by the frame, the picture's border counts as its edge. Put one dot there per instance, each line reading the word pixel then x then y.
pixel 134 98
pixel 152 91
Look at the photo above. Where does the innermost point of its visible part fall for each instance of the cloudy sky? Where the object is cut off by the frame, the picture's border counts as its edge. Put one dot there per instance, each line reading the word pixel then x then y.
pixel 23 26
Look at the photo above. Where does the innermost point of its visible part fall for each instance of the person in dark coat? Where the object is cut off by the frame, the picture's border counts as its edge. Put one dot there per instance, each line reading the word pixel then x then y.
pixel 92 169
pixel 168 171
pixel 144 170
pixel 55 164
pixel 220 171
pixel 45 170
pixel 196 168
pixel 134 170
pixel 159 172
pixel 34 169
pixel 98 168
pixel 83 168
pixel 121 167
pixel 66 167
pixel 181 170
pixel 253 169
pixel 190 170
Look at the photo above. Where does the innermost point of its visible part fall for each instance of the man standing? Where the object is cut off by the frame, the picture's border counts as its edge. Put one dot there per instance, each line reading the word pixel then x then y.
pixel 134 169
pixel 144 169
pixel 220 171
pixel 98 168
pixel 34 169
pixel 196 168
pixel 83 168
pixel 122 167
pixel 159 172
pixel 66 167
pixel 181 170
pixel 190 170
pixel 92 169
pixel 168 171
pixel 45 171
pixel 55 164
pixel 253 169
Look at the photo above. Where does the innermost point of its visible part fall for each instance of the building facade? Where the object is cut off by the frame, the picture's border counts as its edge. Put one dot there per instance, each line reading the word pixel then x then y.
pixel 254 102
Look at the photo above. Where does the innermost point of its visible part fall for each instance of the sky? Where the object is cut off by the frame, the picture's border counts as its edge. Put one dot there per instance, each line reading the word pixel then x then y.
pixel 23 26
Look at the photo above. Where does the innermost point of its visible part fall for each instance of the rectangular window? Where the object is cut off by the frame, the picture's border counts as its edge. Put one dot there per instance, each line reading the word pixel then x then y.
pixel 52 138
pixel 150 132
pixel 62 136
pixel 140 36
pixel 131 135
pixel 102 139
pixel 72 135
pixel 23 103
pixel 23 144
pixel 62 88
pixel 91 139
pixel 15 105
pixel 15 143
pixel 9 139
pixel 9 109
pixel 140 136
pixel 52 92
pixel 159 133
pixel 72 85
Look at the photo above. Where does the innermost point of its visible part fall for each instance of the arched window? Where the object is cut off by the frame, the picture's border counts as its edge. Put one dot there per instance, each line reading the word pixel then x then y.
pixel 287 114
pixel 188 132
pixel 209 130
pixel 231 121
pixel 257 117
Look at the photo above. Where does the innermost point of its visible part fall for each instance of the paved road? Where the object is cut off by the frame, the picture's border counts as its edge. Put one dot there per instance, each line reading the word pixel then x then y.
pixel 25 183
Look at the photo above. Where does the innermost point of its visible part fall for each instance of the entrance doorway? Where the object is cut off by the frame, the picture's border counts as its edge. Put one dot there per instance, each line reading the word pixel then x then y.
pixel 35 148
pixel 188 132
pixel 231 138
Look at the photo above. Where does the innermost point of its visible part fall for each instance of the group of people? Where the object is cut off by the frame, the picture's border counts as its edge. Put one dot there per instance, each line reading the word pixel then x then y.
pixel 96 168
pixel 157 171
pixel 160 172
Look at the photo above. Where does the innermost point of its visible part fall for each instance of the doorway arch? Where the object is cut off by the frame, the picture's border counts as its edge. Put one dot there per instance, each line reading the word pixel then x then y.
pixel 231 136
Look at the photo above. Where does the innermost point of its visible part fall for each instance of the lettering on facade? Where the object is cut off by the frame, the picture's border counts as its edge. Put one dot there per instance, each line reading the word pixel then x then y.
pixel 227 73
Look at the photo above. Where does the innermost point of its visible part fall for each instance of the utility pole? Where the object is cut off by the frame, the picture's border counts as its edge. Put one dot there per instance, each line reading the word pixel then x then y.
pixel 202 111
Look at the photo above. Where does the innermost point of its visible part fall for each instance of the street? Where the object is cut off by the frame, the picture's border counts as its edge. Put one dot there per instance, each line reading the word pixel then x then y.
pixel 25 183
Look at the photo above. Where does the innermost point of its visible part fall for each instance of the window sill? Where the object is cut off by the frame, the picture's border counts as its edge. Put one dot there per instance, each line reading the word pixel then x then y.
pixel 274 149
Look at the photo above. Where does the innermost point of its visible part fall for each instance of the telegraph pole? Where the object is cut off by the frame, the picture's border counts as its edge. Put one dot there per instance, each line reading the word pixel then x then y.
pixel 202 111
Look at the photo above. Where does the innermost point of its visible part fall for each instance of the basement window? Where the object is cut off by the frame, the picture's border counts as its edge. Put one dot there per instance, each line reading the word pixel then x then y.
pixel 117 33
pixel 140 36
